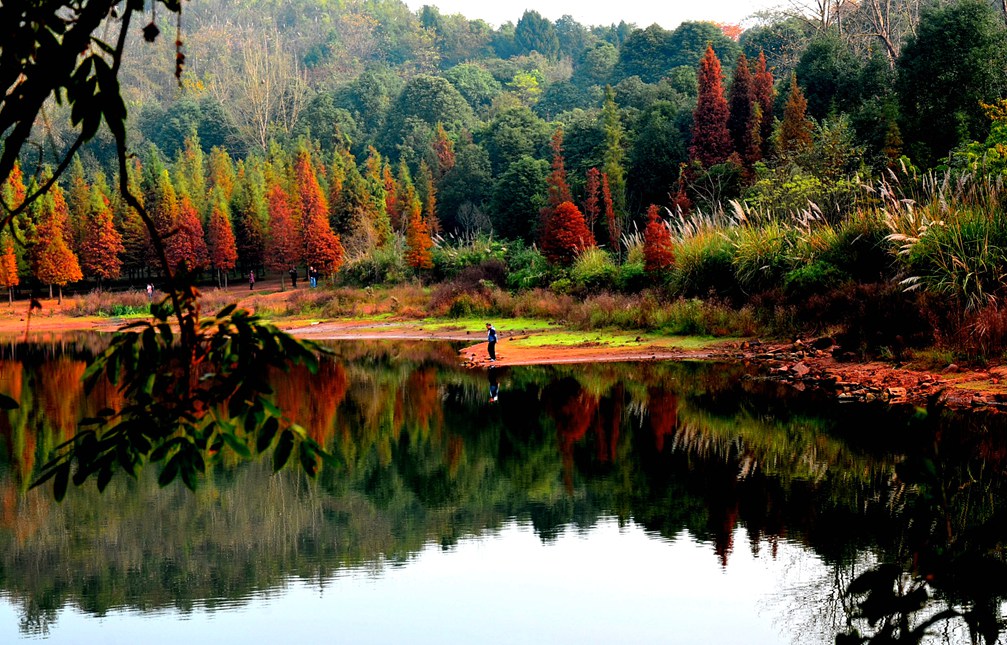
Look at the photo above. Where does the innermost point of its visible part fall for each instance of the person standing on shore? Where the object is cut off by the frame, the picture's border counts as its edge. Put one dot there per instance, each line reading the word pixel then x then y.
pixel 491 337
pixel 150 291
pixel 251 280
pixel 313 277
pixel 293 277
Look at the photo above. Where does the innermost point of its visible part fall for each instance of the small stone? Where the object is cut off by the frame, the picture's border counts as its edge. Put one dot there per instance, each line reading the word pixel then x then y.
pixel 896 392
pixel 800 370
pixel 951 369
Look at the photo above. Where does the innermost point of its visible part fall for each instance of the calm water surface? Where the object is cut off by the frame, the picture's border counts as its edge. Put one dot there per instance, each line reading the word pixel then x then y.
pixel 643 503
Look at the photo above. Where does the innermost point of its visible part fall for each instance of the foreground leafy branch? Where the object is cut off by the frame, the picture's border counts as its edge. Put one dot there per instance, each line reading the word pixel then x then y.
pixel 188 403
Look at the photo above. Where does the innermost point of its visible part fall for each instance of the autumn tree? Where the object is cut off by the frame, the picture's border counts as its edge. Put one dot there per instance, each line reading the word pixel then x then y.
pixel 101 245
pixel 187 246
pixel 658 251
pixel 378 202
pixel 764 93
pixel 8 264
pixel 284 247
pixel 190 175
pixel 418 241
pixel 566 235
pixel 795 130
pixel 711 140
pixel 223 251
pixel 559 189
pixel 53 262
pixel 322 249
pixel 222 174
pixel 444 151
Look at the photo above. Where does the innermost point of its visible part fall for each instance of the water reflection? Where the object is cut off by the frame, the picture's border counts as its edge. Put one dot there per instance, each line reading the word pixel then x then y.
pixel 678 451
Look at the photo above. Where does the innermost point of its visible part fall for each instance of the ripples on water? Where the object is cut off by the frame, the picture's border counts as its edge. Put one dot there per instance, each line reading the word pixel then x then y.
pixel 599 503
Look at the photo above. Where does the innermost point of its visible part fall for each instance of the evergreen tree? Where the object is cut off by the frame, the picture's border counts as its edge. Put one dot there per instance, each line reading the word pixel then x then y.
pixel 765 94
pixel 740 121
pixel 658 251
pixel 190 175
pixel 377 204
pixel 614 155
pixel 592 193
pixel 795 130
pixel 566 235
pixel 221 173
pixel 711 141
pixel 429 196
pixel 535 33
pixel 250 216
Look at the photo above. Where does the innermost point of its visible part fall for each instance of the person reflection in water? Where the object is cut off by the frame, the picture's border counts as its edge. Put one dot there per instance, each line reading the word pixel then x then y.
pixel 491 374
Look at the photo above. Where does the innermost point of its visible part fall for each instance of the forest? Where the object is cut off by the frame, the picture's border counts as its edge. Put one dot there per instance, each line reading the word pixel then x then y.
pixel 840 165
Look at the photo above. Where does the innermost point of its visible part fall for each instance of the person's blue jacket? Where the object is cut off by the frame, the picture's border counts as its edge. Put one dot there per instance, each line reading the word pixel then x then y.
pixel 492 335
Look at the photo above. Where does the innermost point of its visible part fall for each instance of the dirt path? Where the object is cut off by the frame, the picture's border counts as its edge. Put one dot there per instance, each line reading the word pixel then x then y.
pixel 803 364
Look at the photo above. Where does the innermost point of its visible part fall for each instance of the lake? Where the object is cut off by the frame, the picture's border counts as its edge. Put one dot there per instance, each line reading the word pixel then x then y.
pixel 636 503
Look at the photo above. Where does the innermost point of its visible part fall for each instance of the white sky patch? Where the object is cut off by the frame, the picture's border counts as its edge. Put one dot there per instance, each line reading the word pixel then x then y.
pixel 668 14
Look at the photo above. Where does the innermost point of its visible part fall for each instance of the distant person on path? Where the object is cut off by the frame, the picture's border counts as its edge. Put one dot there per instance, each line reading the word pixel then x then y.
pixel 150 292
pixel 494 385
pixel 491 336
pixel 251 280
pixel 313 277
pixel 293 277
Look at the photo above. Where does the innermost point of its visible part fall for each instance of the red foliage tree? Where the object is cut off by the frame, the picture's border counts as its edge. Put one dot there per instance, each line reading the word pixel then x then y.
pixel 284 248
pixel 795 131
pixel 559 189
pixel 658 252
pixel 220 237
pixel 188 244
pixel 323 249
pixel 742 119
pixel 566 235
pixel 592 209
pixel 418 242
pixel 101 244
pixel 711 141
pixel 310 201
pixel 764 92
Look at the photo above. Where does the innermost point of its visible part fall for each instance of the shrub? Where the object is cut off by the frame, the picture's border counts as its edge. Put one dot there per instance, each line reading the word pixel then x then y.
pixel 860 248
pixel 382 266
pixel 454 255
pixel 528 269
pixel 703 265
pixel 763 255
pixel 815 278
pixel 632 277
pixel 593 271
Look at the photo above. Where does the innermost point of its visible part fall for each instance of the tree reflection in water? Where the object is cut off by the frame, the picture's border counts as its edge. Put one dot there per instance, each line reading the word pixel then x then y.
pixel 904 506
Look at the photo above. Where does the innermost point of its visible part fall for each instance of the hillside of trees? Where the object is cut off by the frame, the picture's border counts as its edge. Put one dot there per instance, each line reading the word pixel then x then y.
pixel 374 143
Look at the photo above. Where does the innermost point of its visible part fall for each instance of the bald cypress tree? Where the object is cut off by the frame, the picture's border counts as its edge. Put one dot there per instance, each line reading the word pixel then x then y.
pixel 711 140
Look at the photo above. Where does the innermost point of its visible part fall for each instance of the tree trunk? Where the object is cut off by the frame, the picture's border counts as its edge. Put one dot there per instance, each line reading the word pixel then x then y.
pixel 50 292
pixel 225 280
pixel 281 281
pixel 60 301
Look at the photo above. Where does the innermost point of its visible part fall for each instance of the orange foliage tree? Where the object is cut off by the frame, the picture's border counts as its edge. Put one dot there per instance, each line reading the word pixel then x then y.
pixel 795 130
pixel 592 208
pixel 762 88
pixel 53 262
pixel 8 265
pixel 566 235
pixel 658 252
pixel 187 245
pixel 418 241
pixel 322 248
pixel 101 244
